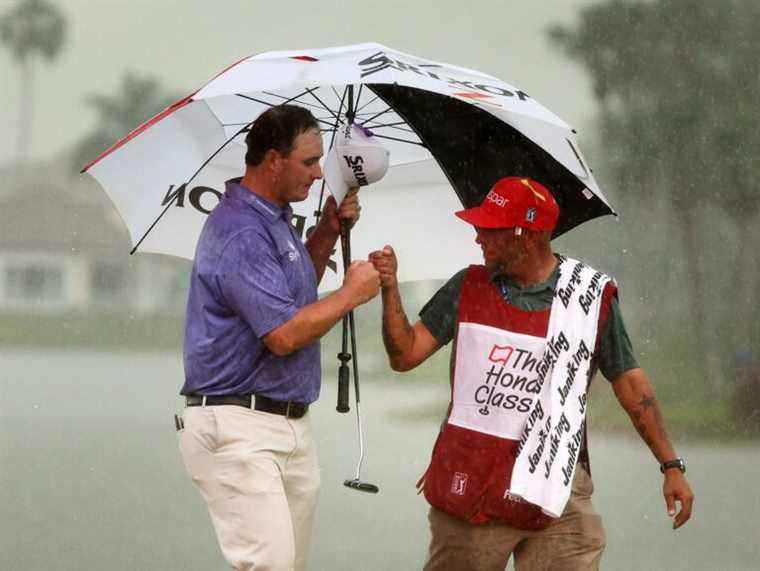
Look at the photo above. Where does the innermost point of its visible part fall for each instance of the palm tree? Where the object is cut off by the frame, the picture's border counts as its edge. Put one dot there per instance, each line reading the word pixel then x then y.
pixel 139 98
pixel 32 28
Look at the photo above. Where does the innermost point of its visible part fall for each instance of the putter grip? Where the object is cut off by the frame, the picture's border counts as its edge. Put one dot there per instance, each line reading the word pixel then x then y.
pixel 342 389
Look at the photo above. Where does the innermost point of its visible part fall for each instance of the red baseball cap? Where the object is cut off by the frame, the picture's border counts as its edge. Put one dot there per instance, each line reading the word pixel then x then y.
pixel 514 201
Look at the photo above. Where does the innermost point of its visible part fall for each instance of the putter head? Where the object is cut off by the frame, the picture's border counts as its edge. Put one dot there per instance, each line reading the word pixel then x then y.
pixel 357 484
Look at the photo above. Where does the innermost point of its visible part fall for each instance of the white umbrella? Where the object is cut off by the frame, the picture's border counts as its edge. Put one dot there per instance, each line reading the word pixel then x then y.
pixel 451 133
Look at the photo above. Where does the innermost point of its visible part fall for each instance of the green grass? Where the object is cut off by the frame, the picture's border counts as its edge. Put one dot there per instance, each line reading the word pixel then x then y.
pixel 693 409
pixel 112 332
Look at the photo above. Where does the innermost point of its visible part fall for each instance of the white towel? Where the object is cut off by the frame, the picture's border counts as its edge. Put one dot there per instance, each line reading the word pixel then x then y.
pixel 553 434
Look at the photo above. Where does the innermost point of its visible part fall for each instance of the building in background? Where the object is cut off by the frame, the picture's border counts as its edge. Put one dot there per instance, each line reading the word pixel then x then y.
pixel 63 248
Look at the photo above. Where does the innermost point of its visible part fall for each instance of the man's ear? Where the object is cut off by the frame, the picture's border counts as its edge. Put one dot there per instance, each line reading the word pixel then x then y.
pixel 273 161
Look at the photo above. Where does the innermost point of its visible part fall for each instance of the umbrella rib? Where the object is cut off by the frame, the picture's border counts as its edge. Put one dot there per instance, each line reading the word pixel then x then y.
pixel 207 161
pixel 370 102
pixel 330 111
pixel 294 98
pixel 378 115
pixel 306 103
pixel 256 100
pixel 388 124
pixel 318 213
pixel 391 126
pixel 358 97
pixel 317 118
pixel 400 140
pixel 169 202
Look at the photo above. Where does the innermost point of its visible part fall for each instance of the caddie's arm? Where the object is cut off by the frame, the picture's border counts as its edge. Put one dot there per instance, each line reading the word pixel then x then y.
pixel 636 395
pixel 321 242
pixel 407 345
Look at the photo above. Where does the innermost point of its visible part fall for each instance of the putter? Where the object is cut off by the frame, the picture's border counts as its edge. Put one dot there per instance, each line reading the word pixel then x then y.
pixel 357 483
pixel 344 357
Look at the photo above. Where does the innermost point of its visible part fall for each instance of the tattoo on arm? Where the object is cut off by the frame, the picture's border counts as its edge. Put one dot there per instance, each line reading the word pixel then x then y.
pixel 390 344
pixel 649 431
pixel 391 340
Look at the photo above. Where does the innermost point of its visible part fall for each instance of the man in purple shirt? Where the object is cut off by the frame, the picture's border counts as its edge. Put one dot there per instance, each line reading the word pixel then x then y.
pixel 252 358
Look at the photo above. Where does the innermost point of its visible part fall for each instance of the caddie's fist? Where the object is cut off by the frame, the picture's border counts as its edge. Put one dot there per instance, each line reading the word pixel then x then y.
pixel 362 281
pixel 386 263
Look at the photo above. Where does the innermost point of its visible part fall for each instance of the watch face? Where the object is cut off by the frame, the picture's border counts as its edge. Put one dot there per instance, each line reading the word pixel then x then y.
pixel 677 463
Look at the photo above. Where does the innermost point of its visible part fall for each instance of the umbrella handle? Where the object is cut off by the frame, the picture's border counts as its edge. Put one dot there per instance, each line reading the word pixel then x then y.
pixel 343 384
pixel 345 243
pixel 344 356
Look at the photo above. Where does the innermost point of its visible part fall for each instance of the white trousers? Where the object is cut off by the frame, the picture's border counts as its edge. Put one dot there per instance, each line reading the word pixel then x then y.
pixel 258 474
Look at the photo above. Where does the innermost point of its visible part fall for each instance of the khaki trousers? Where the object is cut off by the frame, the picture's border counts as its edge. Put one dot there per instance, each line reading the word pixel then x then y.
pixel 574 542
pixel 258 474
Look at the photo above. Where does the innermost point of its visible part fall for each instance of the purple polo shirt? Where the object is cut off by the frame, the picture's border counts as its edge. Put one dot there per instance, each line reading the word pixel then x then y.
pixel 251 274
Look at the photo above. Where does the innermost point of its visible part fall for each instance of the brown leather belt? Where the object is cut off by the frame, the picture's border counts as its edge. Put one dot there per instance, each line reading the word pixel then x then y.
pixel 288 409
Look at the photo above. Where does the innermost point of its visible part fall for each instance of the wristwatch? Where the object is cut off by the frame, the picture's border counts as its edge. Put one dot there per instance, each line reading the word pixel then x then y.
pixel 677 463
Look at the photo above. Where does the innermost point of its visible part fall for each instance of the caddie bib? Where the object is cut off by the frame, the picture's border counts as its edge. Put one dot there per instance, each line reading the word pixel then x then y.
pixel 497 350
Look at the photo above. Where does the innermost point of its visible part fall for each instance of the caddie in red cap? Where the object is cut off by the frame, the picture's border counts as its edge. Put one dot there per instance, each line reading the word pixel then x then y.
pixel 509 473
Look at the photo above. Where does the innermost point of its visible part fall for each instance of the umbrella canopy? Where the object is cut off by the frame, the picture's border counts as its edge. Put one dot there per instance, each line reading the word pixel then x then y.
pixel 447 128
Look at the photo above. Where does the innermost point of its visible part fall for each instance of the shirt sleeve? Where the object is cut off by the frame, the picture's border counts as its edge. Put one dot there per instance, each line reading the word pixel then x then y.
pixel 439 314
pixel 251 278
pixel 615 348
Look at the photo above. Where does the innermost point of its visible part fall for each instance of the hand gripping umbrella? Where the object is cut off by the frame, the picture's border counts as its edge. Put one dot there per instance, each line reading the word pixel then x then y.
pixel 451 132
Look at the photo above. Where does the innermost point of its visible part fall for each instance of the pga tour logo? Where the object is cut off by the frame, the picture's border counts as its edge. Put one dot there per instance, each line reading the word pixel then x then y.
pixel 530 214
pixel 459 483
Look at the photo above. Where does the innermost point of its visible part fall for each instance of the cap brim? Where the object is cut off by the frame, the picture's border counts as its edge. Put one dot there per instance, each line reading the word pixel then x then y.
pixel 334 176
pixel 479 217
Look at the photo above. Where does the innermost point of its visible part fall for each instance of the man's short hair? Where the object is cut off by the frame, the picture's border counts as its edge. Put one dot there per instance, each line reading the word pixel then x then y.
pixel 277 129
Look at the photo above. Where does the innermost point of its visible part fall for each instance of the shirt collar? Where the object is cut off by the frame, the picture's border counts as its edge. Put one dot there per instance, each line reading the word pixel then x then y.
pixel 269 210
pixel 549 284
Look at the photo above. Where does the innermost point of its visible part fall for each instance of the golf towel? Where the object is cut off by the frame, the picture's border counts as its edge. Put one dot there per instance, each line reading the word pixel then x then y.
pixel 553 433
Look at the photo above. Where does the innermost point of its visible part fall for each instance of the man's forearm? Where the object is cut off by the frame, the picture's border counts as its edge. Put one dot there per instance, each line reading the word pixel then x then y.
pixel 320 246
pixel 309 324
pixel 636 395
pixel 398 335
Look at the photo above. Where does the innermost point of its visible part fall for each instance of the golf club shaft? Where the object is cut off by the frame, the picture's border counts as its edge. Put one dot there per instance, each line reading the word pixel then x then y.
pixel 361 441
pixel 345 243
pixel 344 356
pixel 352 327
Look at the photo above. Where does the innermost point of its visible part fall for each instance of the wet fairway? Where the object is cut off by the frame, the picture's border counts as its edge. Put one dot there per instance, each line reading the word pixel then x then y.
pixel 90 478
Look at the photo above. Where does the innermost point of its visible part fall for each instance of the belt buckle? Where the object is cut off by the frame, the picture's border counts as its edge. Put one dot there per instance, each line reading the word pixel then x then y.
pixel 287 410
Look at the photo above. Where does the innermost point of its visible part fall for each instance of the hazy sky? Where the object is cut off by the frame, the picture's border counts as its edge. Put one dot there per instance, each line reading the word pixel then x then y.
pixel 186 42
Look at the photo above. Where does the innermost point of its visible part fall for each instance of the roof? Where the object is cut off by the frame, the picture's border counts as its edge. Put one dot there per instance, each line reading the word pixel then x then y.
pixel 44 207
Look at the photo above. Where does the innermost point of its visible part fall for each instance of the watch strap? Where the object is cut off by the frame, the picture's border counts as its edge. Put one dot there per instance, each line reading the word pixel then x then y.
pixel 676 463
